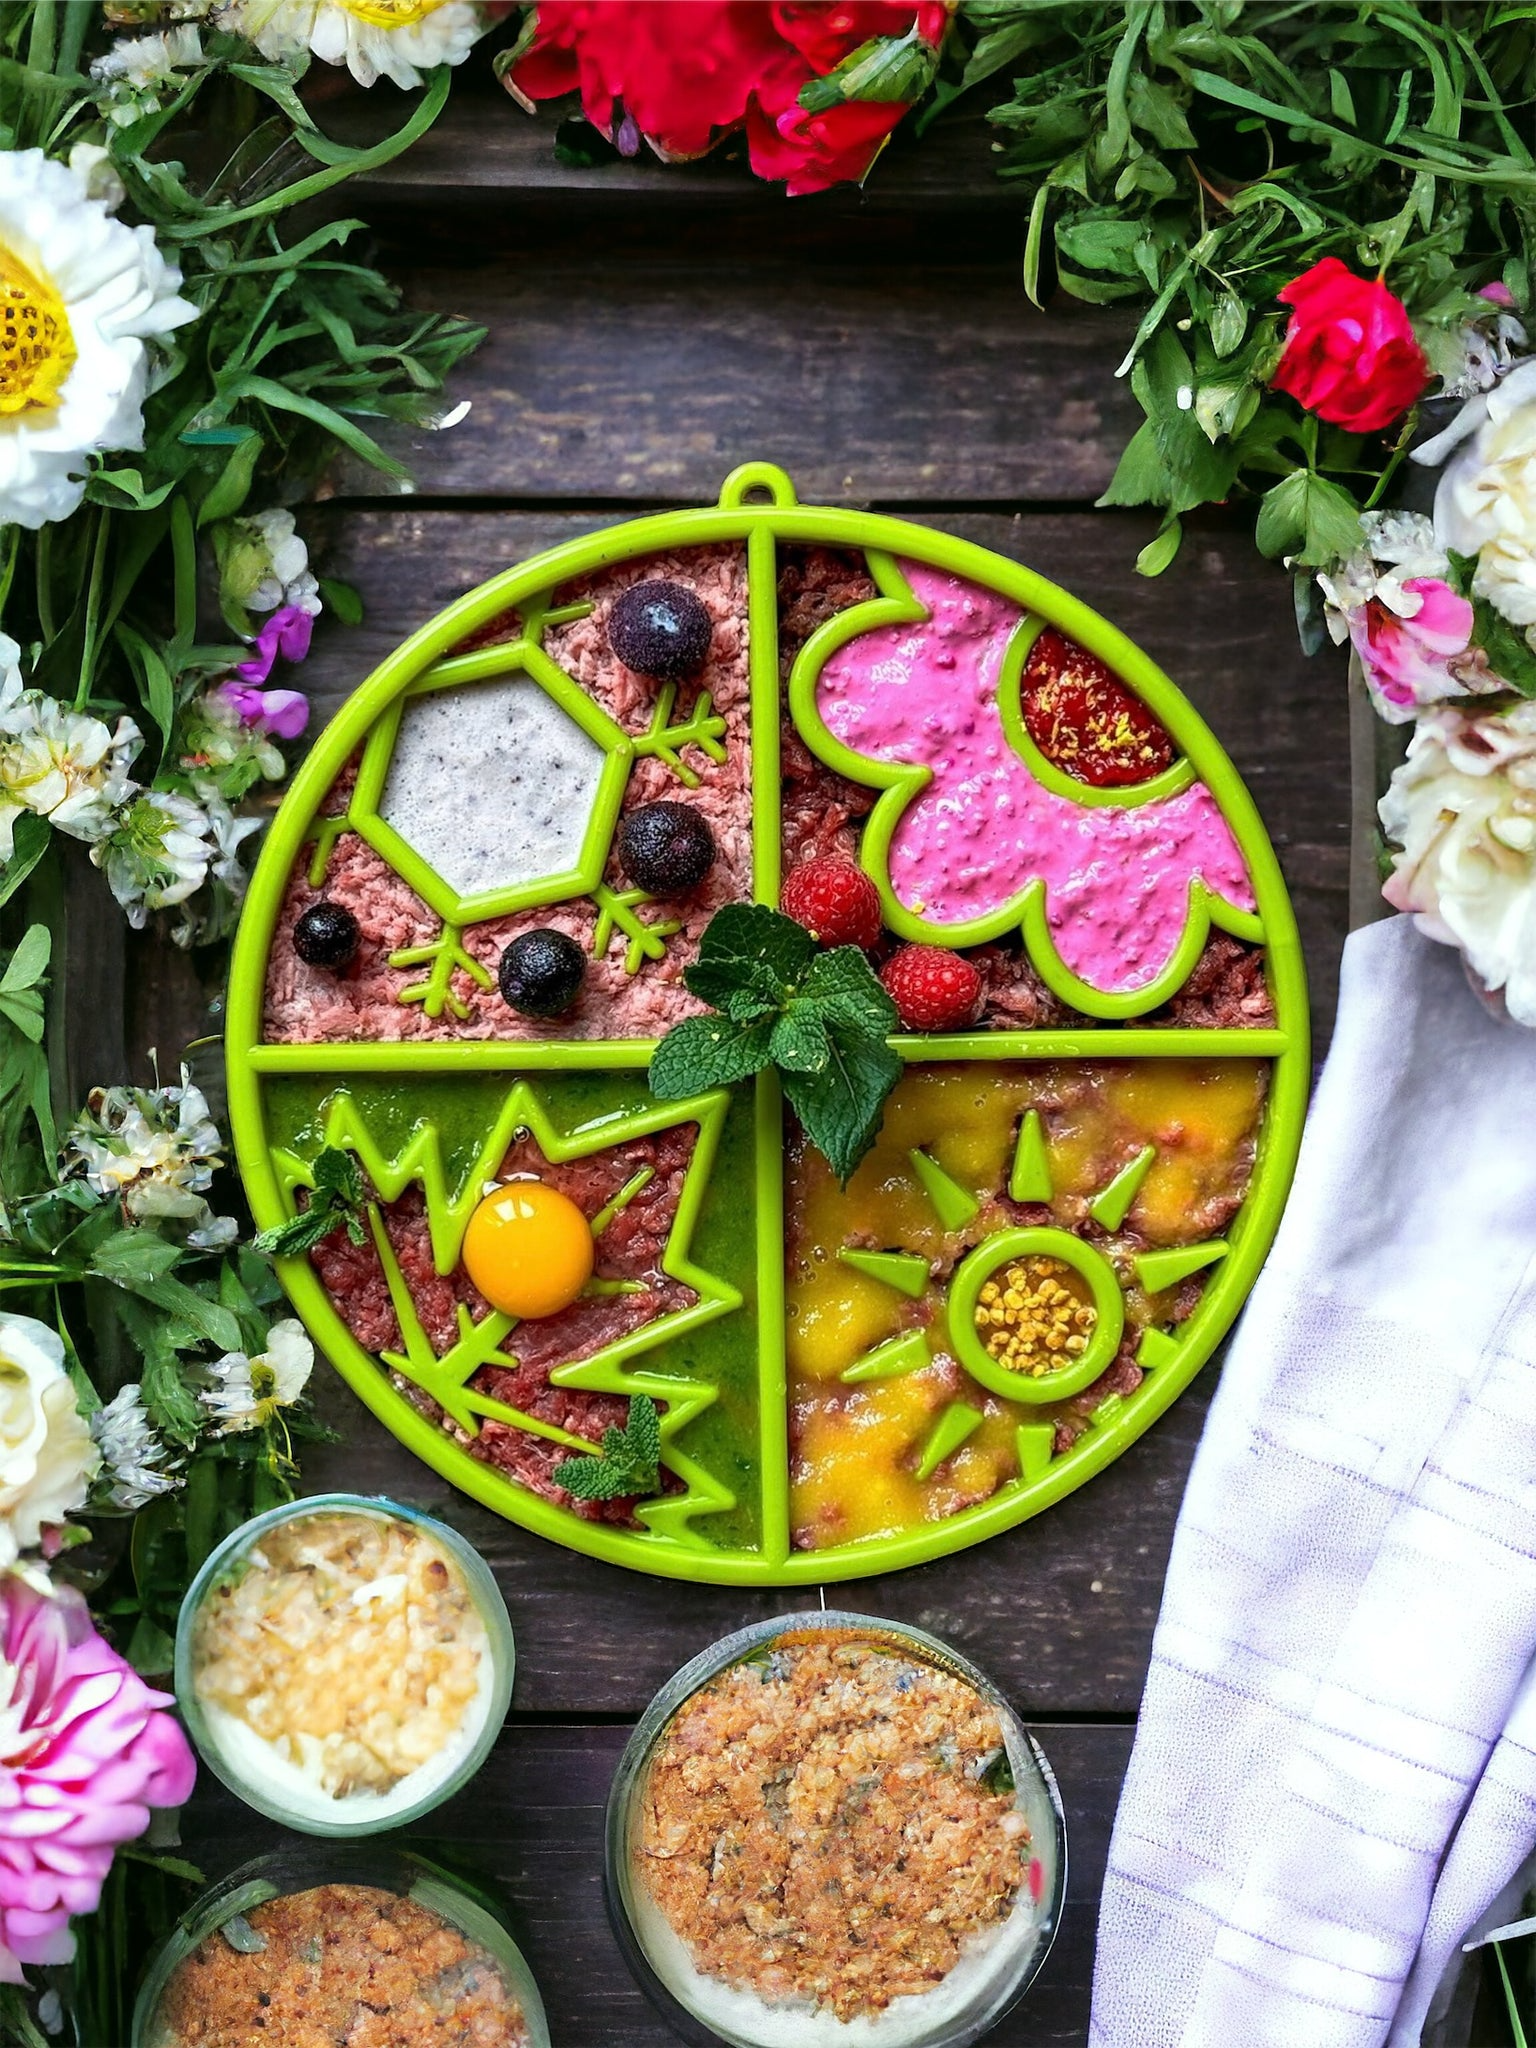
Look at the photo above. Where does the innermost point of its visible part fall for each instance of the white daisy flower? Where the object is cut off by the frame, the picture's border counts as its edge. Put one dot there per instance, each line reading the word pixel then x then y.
pixel 80 296
pixel 132 1455
pixel 156 1150
pixel 247 1392
pixel 63 764
pixel 396 39
pixel 263 564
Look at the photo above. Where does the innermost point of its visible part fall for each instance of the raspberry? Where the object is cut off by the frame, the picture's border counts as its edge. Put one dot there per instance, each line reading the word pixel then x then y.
pixel 932 988
pixel 836 902
pixel 1084 719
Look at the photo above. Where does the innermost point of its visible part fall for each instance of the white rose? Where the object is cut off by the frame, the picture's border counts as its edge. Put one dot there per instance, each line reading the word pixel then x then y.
pixel 1485 504
pixel 1463 809
pixel 47 1455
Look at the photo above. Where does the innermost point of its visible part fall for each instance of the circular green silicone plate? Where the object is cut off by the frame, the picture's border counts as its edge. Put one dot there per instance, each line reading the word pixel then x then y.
pixel 437 1115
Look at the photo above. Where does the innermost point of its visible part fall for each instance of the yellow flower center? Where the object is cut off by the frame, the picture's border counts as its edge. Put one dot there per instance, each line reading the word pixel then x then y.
pixel 392 13
pixel 37 350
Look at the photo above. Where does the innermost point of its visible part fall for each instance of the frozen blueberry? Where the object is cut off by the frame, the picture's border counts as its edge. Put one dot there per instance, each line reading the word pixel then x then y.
pixel 666 849
pixel 660 630
pixel 541 973
pixel 326 935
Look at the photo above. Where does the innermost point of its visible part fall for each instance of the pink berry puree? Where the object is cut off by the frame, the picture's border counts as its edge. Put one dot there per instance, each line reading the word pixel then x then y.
pixel 1117 878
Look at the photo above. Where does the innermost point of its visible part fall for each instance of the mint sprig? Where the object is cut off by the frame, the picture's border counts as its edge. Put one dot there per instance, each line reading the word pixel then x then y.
pixel 821 1018
pixel 630 1462
pixel 336 1201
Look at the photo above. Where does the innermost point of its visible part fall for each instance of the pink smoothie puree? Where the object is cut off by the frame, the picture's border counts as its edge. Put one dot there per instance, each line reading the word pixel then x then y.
pixel 1117 879
pixel 313 1004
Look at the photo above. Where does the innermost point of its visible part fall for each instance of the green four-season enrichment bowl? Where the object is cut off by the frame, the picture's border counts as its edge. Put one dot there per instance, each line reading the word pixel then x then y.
pixel 1068 1200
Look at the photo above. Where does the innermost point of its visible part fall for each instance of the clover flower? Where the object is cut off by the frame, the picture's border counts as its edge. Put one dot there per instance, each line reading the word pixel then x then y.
pixel 133 1456
pixel 156 1150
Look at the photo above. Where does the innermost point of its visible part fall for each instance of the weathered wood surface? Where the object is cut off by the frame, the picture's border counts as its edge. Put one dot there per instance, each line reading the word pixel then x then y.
pixel 532 1826
pixel 649 329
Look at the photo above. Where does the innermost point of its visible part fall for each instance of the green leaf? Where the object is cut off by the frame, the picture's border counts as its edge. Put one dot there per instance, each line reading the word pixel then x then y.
pixel 1508 651
pixel 1308 518
pixel 750 960
pixel 232 486
pixel 799 1043
pixel 130 1257
pixel 1159 552
pixel 886 68
pixel 630 1463
pixel 709 1052
pixel 29 962
pixel 342 599
pixel 29 843
pixel 847 990
pixel 840 1107
pixel 336 1202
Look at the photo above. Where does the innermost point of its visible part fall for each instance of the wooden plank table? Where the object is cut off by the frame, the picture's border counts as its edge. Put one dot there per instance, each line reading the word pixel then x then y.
pixel 649 330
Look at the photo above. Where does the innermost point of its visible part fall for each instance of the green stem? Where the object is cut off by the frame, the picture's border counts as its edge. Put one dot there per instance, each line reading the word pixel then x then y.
pixel 8 572
pixel 184 553
pixel 44 566
pixel 90 648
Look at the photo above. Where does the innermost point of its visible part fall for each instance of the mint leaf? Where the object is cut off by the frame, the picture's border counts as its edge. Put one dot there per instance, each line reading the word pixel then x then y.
pixel 846 989
pixel 708 1052
pixel 800 1044
pixel 840 1106
pixel 336 1202
pixel 821 1018
pixel 630 1462
pixel 750 961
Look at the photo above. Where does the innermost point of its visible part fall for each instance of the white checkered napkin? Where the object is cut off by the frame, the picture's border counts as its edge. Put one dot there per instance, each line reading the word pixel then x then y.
pixel 1319 1789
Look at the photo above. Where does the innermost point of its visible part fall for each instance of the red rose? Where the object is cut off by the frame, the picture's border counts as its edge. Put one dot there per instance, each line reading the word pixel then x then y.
pixel 686 74
pixel 1350 354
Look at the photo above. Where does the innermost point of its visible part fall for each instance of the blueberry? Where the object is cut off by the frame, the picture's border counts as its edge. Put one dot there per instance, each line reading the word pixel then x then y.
pixel 326 935
pixel 660 630
pixel 666 849
pixel 541 973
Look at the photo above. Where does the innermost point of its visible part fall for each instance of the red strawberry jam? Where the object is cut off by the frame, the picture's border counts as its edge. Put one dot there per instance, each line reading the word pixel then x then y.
pixel 1085 721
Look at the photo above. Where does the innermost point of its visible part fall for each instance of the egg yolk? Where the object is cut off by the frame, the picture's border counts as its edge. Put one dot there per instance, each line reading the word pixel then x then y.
pixel 528 1249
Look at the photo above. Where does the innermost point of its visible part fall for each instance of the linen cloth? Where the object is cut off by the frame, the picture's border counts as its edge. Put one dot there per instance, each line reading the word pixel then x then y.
pixel 1331 1779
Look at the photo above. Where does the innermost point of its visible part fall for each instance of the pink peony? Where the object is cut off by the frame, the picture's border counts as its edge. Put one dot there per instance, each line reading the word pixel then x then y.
pixel 1407 660
pixel 85 1752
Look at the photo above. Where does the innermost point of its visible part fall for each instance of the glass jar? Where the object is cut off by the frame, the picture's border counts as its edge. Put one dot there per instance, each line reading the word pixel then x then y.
pixel 273 1785
pixel 706 2010
pixel 300 1868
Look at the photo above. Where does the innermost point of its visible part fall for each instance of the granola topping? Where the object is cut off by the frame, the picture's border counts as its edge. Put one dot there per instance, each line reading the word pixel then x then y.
pixel 832 1823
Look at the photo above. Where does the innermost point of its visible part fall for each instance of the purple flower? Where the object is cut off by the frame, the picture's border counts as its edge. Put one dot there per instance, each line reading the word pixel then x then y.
pixel 283 712
pixel 286 633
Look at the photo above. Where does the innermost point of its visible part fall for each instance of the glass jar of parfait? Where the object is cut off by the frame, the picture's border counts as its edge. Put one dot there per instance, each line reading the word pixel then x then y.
pixel 343 1663
pixel 830 1829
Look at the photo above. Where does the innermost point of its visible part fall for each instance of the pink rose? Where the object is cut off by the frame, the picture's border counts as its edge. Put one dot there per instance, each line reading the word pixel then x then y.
pixel 85 1751
pixel 1407 660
